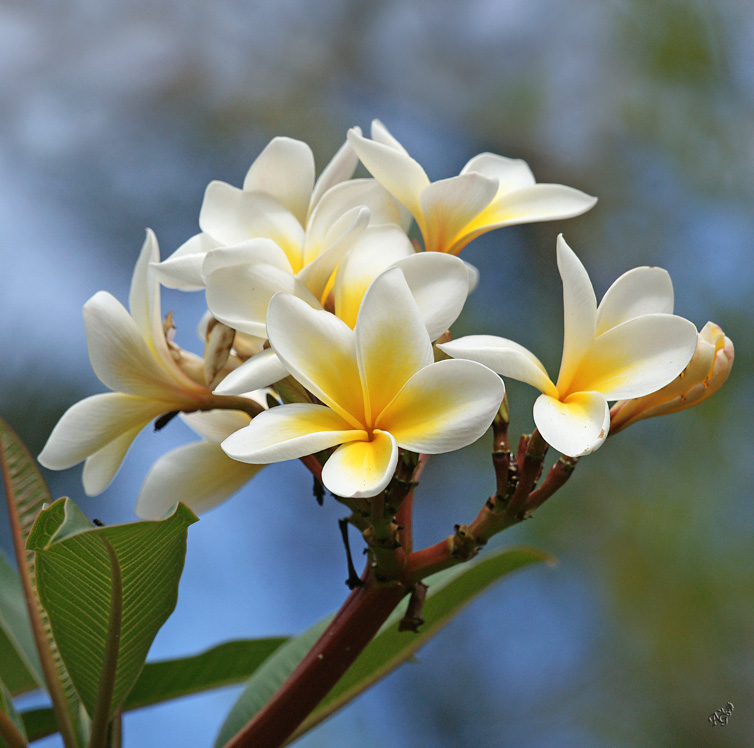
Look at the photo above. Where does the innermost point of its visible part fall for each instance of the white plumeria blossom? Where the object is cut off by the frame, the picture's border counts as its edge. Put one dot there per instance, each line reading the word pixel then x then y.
pixel 281 201
pixel 239 295
pixel 130 355
pixel 200 474
pixel 490 192
pixel 628 346
pixel 380 387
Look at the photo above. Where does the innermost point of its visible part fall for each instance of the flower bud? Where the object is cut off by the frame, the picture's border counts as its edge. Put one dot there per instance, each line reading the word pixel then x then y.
pixel 217 350
pixel 708 369
pixel 189 363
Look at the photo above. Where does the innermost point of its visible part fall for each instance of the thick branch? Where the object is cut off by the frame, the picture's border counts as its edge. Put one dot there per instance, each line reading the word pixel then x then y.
pixel 356 624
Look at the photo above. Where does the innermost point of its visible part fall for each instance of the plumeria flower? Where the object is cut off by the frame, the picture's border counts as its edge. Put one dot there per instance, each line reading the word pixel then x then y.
pixel 705 374
pixel 379 386
pixel 627 347
pixel 149 376
pixel 200 474
pixel 239 294
pixel 490 192
pixel 281 201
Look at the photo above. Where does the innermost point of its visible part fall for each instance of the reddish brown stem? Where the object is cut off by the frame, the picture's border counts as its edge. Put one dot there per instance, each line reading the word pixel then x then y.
pixel 313 465
pixel 405 514
pixel 437 557
pixel 358 621
pixel 531 454
pixel 556 478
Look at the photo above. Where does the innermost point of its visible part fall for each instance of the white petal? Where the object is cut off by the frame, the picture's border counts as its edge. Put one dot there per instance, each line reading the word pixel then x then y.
pixel 200 475
pixel 575 427
pixel 284 170
pixel 183 269
pixel 380 134
pixel 540 202
pixel 450 205
pixel 92 423
pixel 579 312
pixel 289 432
pixel 439 284
pixel 443 407
pixel 637 357
pixel 250 252
pixel 317 273
pixel 361 469
pixel 356 193
pixel 144 303
pixel 231 216
pixel 261 370
pixel 217 425
pixel 473 275
pixel 503 356
pixel 397 172
pixel 100 468
pixel 374 250
pixel 123 361
pixel 340 169
pixel 320 352
pixel 222 213
pixel 144 299
pixel 510 173
pixel 391 340
pixel 645 290
pixel 239 296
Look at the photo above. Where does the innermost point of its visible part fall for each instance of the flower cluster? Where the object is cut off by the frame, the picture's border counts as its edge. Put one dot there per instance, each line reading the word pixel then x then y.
pixel 322 320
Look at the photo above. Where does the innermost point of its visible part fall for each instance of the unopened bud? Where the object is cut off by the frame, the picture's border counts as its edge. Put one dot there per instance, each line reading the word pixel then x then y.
pixel 216 351
pixel 708 369
pixel 189 363
pixel 291 391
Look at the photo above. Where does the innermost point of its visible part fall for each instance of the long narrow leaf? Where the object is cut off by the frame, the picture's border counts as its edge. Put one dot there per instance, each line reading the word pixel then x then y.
pixel 12 733
pixel 20 668
pixel 26 493
pixel 449 592
pixel 268 679
pixel 74 577
pixel 224 665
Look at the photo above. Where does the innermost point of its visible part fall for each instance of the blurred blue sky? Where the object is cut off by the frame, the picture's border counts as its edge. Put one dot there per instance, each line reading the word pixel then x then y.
pixel 115 116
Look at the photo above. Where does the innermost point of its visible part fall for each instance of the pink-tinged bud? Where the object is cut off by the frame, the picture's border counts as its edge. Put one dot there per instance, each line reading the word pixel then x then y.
pixel 708 369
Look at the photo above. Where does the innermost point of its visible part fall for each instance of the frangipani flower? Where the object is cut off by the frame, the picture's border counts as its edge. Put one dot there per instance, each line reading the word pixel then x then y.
pixel 200 474
pixel 281 201
pixel 490 192
pixel 380 389
pixel 706 373
pixel 131 355
pixel 627 347
pixel 239 294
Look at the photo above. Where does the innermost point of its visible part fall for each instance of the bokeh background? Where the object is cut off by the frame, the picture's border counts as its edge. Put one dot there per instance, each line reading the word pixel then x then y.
pixel 116 115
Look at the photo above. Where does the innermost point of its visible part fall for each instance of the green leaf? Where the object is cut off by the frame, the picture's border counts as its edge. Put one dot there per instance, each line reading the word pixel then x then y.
pixel 79 569
pixel 26 493
pixel 266 680
pixel 20 668
pixel 10 721
pixel 449 591
pixel 224 665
